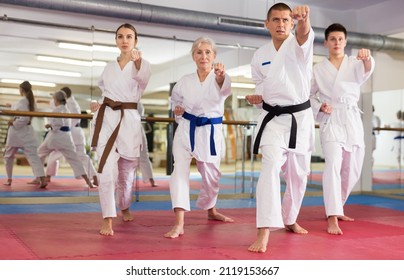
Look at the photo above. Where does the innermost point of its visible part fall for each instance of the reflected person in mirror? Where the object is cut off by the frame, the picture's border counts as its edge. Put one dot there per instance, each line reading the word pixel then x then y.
pixel 78 140
pixel 59 138
pixel 21 135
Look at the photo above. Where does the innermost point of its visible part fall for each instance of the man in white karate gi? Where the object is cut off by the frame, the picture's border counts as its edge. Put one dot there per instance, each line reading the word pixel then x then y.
pixel 335 94
pixel 282 70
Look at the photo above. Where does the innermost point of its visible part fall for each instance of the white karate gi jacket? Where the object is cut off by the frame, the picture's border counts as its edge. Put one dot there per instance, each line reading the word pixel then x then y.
pixel 21 133
pixel 341 89
pixel 126 85
pixel 283 78
pixel 201 100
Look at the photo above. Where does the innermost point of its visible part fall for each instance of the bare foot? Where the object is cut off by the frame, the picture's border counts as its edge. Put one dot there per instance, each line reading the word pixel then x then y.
pixel 345 218
pixel 106 228
pixel 214 215
pixel 153 183
pixel 261 243
pixel 43 182
pixel 95 180
pixel 36 181
pixel 219 217
pixel 8 183
pixel 126 215
pixel 175 232
pixel 89 184
pixel 48 178
pixel 333 227
pixel 296 228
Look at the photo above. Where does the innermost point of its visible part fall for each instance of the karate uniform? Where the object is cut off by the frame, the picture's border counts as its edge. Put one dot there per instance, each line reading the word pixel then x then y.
pixel 79 143
pixel 21 135
pixel 398 142
pixel 376 122
pixel 144 161
pixel 283 78
pixel 59 138
pixel 201 100
pixel 126 85
pixel 341 132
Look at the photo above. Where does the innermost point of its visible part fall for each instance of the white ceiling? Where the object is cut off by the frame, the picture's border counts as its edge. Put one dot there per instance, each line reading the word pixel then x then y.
pixel 20 43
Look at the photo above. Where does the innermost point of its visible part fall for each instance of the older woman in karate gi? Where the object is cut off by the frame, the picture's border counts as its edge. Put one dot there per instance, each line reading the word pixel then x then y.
pixel 78 140
pixel 21 135
pixel 335 93
pixel 117 133
pixel 60 139
pixel 198 104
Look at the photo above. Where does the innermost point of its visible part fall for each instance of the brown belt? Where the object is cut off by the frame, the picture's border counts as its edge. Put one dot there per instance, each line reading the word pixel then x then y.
pixel 114 105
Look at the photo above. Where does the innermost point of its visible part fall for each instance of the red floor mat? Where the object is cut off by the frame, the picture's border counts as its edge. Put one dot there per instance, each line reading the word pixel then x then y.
pixel 377 234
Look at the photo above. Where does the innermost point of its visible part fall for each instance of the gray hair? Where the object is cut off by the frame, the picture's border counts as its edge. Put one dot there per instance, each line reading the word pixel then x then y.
pixel 60 96
pixel 202 40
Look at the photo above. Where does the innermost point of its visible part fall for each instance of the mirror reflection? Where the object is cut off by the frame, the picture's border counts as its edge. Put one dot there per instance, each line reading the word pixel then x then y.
pixel 82 53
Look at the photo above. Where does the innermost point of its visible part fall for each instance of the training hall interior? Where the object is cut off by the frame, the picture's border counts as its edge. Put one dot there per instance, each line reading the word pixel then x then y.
pixel 54 44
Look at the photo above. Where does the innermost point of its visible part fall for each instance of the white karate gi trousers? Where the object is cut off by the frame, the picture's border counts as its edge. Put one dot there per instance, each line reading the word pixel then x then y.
pixel 342 171
pixel 115 183
pixel 179 181
pixel 273 213
pixel 54 157
pixel 31 155
pixel 58 141
pixel 79 143
pixel 144 162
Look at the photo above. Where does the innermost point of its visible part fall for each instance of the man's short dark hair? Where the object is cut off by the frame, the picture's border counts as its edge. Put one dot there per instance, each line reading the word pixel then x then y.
pixel 335 27
pixel 278 7
pixel 68 91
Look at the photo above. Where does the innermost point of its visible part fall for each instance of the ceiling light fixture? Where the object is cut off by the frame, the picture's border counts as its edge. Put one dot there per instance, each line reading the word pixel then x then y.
pixel 87 47
pixel 13 91
pixel 157 102
pixel 49 71
pixel 70 61
pixel 243 85
pixel 34 83
pixel 16 91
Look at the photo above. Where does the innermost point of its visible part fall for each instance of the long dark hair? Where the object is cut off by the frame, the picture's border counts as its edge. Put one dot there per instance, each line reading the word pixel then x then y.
pixel 26 87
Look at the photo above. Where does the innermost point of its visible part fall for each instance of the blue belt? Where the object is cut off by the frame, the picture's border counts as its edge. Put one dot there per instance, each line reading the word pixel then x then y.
pixel 65 128
pixel 398 137
pixel 201 121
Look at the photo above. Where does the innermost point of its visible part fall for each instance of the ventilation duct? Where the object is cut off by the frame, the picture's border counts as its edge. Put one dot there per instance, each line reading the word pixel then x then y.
pixel 191 19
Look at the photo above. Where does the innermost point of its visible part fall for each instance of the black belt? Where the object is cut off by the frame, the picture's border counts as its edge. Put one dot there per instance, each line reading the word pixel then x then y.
pixel 276 111
pixel 65 128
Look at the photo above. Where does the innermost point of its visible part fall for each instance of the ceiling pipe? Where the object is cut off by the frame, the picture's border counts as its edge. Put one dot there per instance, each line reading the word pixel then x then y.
pixel 193 19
